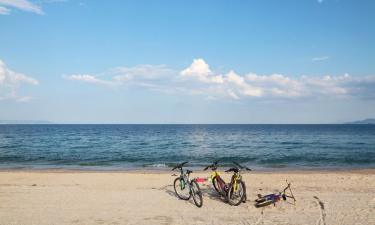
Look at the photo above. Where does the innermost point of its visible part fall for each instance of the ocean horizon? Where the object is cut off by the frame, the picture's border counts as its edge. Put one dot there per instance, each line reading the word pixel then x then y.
pixel 160 146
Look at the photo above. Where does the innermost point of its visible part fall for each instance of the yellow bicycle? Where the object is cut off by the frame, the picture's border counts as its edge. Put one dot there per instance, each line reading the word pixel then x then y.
pixel 235 191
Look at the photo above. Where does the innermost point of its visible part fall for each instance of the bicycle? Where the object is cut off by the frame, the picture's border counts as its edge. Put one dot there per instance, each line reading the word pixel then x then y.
pixel 235 191
pixel 190 187
pixel 273 198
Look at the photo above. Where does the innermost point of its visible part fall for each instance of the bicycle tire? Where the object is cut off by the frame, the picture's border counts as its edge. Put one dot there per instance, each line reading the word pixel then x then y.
pixel 230 194
pixel 263 203
pixel 244 199
pixel 177 185
pixel 196 193
pixel 216 185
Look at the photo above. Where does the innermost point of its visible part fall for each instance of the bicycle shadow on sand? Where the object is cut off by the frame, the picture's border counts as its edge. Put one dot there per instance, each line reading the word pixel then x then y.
pixel 211 193
pixel 206 192
pixel 169 190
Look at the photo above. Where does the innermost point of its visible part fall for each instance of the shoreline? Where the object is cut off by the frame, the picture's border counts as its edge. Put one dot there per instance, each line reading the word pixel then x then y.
pixel 166 171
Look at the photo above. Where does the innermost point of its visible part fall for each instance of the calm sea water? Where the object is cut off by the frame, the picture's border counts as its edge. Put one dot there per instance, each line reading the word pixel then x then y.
pixel 160 146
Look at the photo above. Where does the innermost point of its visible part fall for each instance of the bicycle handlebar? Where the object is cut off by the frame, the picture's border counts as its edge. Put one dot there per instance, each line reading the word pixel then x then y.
pixel 290 189
pixel 242 167
pixel 233 169
pixel 213 165
pixel 288 186
pixel 179 165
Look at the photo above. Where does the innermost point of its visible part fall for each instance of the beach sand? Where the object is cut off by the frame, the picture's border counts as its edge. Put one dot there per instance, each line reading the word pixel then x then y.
pixel 147 197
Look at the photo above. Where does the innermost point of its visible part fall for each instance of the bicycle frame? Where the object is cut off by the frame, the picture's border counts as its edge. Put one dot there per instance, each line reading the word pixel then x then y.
pixel 235 178
pixel 284 195
pixel 185 179
pixel 221 182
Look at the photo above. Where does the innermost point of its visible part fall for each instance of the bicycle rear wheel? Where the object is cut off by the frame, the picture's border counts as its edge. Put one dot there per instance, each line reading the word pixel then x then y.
pixel 181 189
pixel 263 202
pixel 196 193
pixel 236 194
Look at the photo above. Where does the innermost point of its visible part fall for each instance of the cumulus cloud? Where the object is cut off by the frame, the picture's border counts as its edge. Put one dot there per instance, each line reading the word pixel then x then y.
pixel 200 71
pixel 10 82
pixel 24 5
pixel 199 79
pixel 197 68
pixel 238 84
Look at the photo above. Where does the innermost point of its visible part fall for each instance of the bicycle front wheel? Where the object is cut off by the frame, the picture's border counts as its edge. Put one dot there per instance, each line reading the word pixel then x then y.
pixel 218 186
pixel 236 194
pixel 196 193
pixel 181 189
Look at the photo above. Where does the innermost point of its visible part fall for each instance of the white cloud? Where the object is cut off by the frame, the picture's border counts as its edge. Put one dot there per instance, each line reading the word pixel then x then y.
pixel 144 72
pixel 155 77
pixel 276 85
pixel 10 82
pixel 320 58
pixel 52 1
pixel 197 68
pixel 239 84
pixel 89 79
pixel 24 5
pixel 4 11
pixel 199 79
pixel 24 99
pixel 200 70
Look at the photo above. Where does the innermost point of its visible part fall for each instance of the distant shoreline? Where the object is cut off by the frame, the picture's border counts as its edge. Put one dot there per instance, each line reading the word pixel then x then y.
pixel 166 171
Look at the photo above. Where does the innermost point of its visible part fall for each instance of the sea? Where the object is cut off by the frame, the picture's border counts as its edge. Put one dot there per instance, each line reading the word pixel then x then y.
pixel 160 147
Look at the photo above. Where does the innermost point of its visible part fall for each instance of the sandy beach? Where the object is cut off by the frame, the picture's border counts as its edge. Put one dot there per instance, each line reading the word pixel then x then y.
pixel 147 197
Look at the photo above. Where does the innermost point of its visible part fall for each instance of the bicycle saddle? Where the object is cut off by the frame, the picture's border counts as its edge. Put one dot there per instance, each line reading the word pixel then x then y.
pixel 188 171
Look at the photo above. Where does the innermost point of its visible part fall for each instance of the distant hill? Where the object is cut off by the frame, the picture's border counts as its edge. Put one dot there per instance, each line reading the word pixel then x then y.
pixel 24 122
pixel 365 121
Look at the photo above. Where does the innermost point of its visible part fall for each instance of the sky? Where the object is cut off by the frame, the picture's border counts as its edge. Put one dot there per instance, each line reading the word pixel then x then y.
pixel 160 61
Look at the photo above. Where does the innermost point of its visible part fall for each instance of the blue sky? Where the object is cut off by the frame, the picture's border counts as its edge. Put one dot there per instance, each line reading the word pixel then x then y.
pixel 301 61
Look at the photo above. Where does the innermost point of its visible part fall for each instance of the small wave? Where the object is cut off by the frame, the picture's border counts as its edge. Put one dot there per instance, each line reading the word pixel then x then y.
pixel 291 143
pixel 94 164
pixel 156 165
pixel 278 166
pixel 12 146
pixel 11 158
